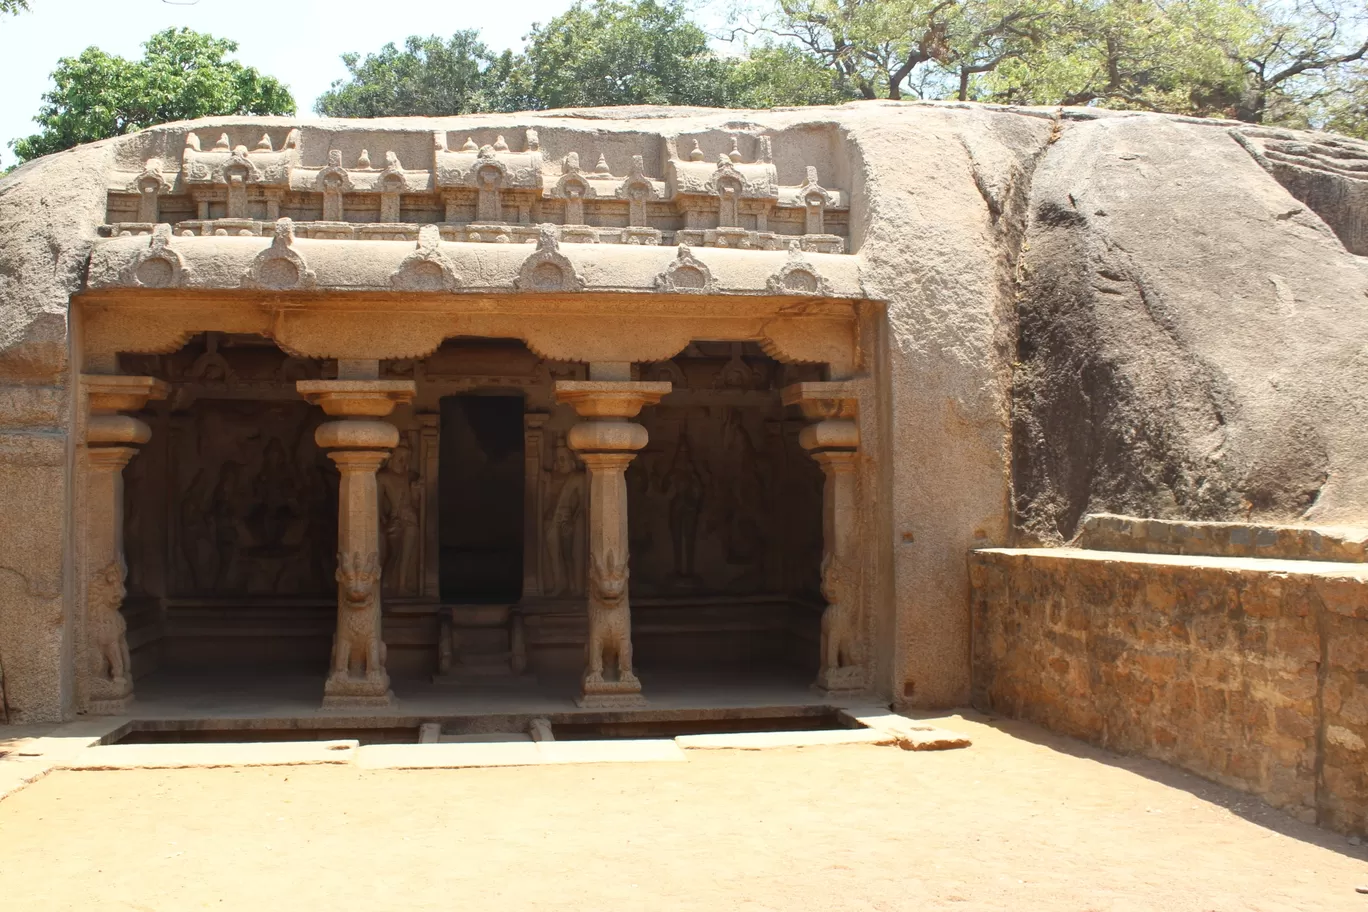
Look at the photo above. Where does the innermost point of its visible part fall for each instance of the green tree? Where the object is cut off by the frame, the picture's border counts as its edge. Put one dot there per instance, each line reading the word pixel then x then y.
pixel 183 74
pixel 1160 56
pixel 777 75
pixel 599 52
pixel 429 77
pixel 621 52
pixel 891 48
pixel 13 7
pixel 1302 61
pixel 1293 62
pixel 1345 109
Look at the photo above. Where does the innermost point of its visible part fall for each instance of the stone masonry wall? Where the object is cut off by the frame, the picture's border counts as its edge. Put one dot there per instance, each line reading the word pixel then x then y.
pixel 1252 673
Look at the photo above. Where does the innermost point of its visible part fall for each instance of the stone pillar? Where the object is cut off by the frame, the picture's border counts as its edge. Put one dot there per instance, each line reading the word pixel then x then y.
pixel 606 443
pixel 833 440
pixel 104 678
pixel 359 442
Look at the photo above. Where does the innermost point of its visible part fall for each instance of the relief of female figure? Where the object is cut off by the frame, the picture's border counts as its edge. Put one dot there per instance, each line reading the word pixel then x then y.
pixel 564 526
pixel 683 485
pixel 400 490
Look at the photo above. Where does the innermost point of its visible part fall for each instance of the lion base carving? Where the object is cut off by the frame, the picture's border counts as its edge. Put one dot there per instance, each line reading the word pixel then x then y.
pixel 358 678
pixel 843 669
pixel 609 682
pixel 109 682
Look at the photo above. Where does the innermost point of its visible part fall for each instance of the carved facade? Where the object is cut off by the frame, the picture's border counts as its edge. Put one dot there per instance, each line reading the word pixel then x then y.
pixel 486 190
pixel 541 428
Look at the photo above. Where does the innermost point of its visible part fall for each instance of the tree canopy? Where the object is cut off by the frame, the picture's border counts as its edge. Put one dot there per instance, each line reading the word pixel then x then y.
pixel 429 77
pixel 1299 63
pixel 1295 62
pixel 182 74
pixel 599 52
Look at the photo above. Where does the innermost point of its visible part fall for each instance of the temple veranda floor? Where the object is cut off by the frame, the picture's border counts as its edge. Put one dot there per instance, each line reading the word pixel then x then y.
pixel 1022 820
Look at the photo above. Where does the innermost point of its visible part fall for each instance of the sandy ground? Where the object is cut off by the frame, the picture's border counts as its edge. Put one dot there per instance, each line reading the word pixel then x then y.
pixel 1020 821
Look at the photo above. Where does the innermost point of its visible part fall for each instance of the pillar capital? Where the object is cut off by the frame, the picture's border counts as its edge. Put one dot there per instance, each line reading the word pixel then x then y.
pixel 833 408
pixel 357 398
pixel 609 461
pixel 110 458
pixel 351 462
pixel 111 393
pixel 823 399
pixel 610 398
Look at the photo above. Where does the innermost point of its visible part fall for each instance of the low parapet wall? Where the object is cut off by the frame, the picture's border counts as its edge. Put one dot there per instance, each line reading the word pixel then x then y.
pixel 1251 672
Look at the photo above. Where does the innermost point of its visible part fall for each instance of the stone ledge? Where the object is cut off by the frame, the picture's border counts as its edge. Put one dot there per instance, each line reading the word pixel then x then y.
pixel 773 740
pixel 1110 532
pixel 203 756
pixel 505 753
pixel 1254 564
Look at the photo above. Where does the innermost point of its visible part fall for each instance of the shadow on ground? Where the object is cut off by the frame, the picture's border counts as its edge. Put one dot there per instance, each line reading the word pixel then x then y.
pixel 1243 804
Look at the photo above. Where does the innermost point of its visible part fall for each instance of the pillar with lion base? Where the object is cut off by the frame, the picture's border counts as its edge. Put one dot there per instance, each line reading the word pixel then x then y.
pixel 359 443
pixel 833 439
pixel 606 442
pixel 104 679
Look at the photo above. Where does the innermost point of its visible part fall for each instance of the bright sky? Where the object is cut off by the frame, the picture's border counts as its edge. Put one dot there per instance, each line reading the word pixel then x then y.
pixel 297 41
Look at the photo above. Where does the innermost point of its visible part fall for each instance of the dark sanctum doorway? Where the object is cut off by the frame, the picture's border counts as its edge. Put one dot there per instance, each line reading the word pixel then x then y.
pixel 480 497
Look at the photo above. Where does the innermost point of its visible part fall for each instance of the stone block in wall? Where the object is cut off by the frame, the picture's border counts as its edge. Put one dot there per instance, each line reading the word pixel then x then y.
pixel 1250 672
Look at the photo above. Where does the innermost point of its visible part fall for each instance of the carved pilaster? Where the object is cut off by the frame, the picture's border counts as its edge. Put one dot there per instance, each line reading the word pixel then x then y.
pixel 534 430
pixel 606 443
pixel 430 443
pixel 358 443
pixel 833 440
pixel 105 675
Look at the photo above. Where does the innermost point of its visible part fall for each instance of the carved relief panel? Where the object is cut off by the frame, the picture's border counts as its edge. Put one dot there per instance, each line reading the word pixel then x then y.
pixel 248 499
pixel 723 500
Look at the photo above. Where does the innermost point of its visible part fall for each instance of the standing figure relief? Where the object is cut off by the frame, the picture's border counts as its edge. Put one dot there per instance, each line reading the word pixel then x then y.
pixel 565 525
pixel 401 492
pixel 358 650
pixel 610 621
pixel 684 486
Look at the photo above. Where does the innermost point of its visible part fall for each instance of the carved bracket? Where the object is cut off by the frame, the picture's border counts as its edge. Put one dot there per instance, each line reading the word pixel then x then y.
pixel 427 268
pixel 798 276
pixel 157 265
pixel 686 274
pixel 279 267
